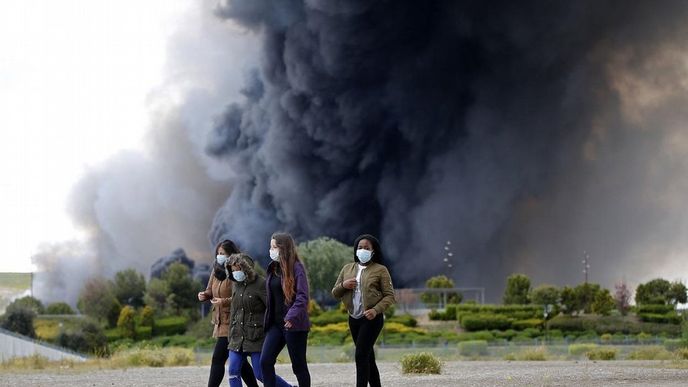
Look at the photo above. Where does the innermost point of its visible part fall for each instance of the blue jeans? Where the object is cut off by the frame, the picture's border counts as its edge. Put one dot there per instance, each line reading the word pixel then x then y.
pixel 296 342
pixel 236 361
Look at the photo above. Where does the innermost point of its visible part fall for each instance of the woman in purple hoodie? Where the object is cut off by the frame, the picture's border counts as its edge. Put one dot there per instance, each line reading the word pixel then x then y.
pixel 286 317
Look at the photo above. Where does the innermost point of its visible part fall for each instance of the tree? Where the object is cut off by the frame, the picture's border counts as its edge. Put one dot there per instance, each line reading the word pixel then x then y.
pixel 545 295
pixel 156 295
pixel 126 322
pixel 569 302
pixel 585 296
pixel 603 303
pixel 517 289
pixel 622 297
pixel 324 258
pixel 59 308
pixel 660 292
pixel 129 287
pixel 28 302
pixel 96 300
pixel 440 282
pixel 19 319
pixel 182 287
pixel 677 293
pixel 147 316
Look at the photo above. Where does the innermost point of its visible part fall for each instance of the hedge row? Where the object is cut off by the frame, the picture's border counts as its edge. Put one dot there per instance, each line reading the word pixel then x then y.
pixel 611 324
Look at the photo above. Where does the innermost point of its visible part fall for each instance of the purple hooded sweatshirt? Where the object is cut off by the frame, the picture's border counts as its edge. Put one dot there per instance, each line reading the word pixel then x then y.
pixel 297 310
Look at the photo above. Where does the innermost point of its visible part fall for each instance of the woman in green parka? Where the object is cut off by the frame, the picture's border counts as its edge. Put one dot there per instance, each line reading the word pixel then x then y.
pixel 246 334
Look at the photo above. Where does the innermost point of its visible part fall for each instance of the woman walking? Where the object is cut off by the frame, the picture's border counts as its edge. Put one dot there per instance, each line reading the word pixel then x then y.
pixel 246 334
pixel 365 288
pixel 286 318
pixel 219 292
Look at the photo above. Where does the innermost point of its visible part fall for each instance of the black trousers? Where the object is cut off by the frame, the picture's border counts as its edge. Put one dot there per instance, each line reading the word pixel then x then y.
pixel 365 333
pixel 275 340
pixel 217 366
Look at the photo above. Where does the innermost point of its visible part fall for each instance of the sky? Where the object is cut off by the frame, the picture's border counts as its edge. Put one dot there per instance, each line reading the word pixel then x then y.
pixel 75 78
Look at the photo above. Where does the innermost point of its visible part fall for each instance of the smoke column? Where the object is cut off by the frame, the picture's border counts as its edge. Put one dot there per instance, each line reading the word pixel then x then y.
pixel 523 132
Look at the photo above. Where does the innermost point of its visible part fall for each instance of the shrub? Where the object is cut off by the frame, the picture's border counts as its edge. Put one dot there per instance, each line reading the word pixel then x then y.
pixel 531 354
pixel 668 318
pixel 606 338
pixel 329 317
pixel 477 322
pixel 19 319
pixel 170 326
pixel 421 363
pixel 533 323
pixel 153 357
pixel 601 354
pixel 313 308
pixel 644 337
pixel 85 337
pixel 650 353
pixel 126 323
pixel 581 349
pixel 681 353
pixel 59 308
pixel 473 348
pixel 654 309
pixel 479 335
pixel 674 344
pixel 147 318
pixel 143 333
pixel 404 319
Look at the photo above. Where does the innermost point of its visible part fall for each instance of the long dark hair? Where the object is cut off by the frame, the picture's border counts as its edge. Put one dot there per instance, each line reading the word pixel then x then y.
pixel 288 257
pixel 377 257
pixel 230 248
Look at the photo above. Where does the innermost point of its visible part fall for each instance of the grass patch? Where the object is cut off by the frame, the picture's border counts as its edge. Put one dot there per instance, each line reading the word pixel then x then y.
pixel 473 348
pixel 421 363
pixel 581 349
pixel 153 357
pixel 650 353
pixel 602 354
pixel 529 354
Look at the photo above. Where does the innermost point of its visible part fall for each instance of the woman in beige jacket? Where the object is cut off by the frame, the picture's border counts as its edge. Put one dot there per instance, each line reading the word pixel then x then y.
pixel 219 293
pixel 365 288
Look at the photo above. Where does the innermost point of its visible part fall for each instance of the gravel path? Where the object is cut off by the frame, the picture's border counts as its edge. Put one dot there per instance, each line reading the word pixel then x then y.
pixel 466 373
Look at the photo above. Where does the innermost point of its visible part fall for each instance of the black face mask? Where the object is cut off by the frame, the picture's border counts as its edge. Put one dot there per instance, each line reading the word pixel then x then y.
pixel 219 272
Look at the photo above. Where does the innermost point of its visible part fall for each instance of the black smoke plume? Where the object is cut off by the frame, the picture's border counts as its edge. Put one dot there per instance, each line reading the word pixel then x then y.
pixel 524 132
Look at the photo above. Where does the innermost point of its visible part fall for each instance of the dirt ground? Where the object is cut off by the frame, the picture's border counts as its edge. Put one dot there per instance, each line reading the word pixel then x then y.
pixel 459 373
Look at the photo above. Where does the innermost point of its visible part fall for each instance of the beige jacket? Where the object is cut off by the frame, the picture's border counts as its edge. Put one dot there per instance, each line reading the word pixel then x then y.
pixel 220 317
pixel 377 290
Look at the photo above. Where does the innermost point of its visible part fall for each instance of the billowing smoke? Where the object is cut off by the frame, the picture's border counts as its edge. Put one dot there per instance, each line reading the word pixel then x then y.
pixel 138 206
pixel 524 132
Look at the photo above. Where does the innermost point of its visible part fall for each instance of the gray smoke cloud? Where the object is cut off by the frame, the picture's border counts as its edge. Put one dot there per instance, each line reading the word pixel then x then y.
pixel 523 132
pixel 138 206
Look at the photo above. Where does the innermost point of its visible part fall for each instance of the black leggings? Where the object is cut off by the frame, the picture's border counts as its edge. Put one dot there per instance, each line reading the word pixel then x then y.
pixel 275 340
pixel 365 333
pixel 217 367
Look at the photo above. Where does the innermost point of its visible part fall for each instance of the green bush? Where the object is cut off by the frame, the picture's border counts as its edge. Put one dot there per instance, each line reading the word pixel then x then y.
pixel 606 338
pixel 143 333
pixel 655 309
pixel 329 317
pixel 484 321
pixel 154 357
pixel 533 323
pixel 601 354
pixel 473 348
pixel 421 363
pixel 201 329
pixel 581 349
pixel 19 319
pixel 681 353
pixel 650 353
pixel 85 337
pixel 610 324
pixel 170 326
pixel 59 308
pixel 668 318
pixel 479 335
pixel 404 319
pixel 113 334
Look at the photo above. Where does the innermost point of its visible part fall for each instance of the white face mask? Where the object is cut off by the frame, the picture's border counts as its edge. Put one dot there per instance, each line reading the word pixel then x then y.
pixel 240 276
pixel 364 255
pixel 221 259
pixel 274 255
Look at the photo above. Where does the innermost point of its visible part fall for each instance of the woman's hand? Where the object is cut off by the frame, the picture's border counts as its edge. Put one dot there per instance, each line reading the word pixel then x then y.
pixel 215 300
pixel 287 324
pixel 370 314
pixel 349 284
pixel 202 296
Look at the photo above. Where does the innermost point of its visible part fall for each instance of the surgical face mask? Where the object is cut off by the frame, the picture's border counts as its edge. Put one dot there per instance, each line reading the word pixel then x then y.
pixel 364 255
pixel 240 276
pixel 221 259
pixel 274 255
